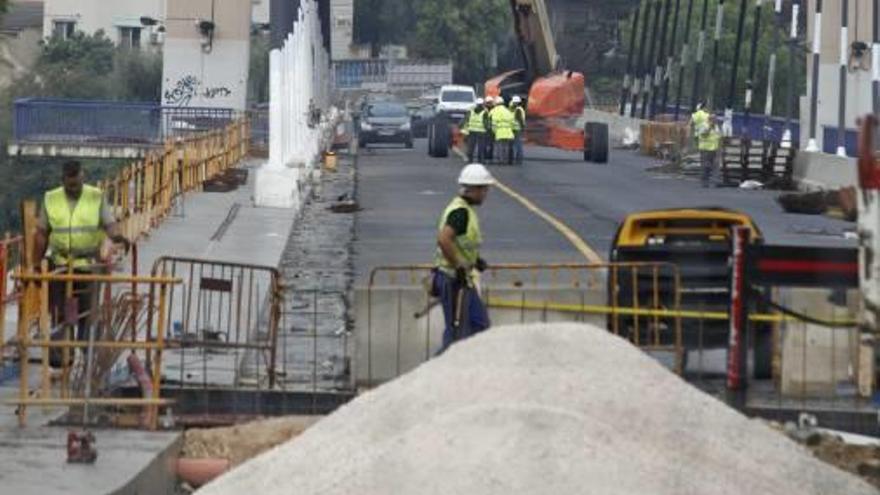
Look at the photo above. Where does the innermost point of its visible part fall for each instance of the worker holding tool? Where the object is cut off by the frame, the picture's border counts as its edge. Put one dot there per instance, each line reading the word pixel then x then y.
pixel 458 256
pixel 475 127
pixel 502 125
pixel 519 125
pixel 709 142
pixel 73 228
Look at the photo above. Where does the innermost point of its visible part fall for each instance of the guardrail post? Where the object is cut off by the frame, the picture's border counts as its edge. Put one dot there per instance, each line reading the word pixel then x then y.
pixel 738 345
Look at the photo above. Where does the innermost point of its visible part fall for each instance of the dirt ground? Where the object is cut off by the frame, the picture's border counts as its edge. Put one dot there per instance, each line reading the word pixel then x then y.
pixel 861 460
pixel 241 442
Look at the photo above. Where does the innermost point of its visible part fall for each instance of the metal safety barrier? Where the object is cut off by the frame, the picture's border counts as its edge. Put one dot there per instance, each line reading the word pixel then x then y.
pixel 399 325
pixel 223 320
pixel 93 122
pixel 60 313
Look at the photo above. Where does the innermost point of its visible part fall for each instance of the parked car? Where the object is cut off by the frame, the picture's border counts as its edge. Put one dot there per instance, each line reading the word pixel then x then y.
pixel 456 101
pixel 421 119
pixel 385 122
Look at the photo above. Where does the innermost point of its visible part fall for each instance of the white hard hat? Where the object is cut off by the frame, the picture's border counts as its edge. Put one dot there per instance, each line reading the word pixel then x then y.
pixel 479 101
pixel 475 174
pixel 516 99
pixel 499 100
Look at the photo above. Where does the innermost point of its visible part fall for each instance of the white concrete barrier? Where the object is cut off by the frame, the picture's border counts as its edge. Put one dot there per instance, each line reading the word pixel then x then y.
pixel 299 79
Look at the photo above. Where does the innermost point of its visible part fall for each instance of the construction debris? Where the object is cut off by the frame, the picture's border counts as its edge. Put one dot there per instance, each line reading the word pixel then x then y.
pixel 840 203
pixel 557 409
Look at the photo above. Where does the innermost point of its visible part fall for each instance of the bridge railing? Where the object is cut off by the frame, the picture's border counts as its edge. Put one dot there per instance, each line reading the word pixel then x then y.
pixel 51 120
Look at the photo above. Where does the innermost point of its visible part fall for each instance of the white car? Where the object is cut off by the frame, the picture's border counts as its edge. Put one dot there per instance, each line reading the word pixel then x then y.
pixel 456 101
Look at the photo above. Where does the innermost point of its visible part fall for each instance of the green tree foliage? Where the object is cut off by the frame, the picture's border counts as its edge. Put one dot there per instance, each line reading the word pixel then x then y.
pixel 464 31
pixel 258 77
pixel 719 81
pixel 84 66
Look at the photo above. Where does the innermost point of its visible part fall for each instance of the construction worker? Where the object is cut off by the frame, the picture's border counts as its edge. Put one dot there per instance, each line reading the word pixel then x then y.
pixel 709 142
pixel 72 226
pixel 502 125
pixel 458 256
pixel 519 125
pixel 699 121
pixel 475 127
pixel 489 143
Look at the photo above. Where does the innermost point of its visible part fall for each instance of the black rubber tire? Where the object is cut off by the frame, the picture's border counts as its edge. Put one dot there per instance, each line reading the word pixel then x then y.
pixel 588 152
pixel 763 353
pixel 362 144
pixel 441 141
pixel 429 133
pixel 596 134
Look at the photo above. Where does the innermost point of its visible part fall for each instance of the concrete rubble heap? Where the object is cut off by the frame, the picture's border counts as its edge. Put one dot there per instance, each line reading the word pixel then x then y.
pixel 539 409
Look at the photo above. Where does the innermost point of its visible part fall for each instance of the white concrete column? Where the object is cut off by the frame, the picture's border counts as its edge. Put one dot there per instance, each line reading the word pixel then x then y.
pixel 275 107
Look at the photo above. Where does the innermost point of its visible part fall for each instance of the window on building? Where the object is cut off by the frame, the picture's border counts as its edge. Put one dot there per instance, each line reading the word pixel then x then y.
pixel 63 29
pixel 130 37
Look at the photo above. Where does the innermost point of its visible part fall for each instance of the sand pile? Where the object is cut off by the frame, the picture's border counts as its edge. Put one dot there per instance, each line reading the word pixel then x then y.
pixel 241 442
pixel 561 409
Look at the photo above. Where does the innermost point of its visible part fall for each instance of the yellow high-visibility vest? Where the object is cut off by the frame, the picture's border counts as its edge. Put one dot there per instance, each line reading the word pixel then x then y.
pixel 75 236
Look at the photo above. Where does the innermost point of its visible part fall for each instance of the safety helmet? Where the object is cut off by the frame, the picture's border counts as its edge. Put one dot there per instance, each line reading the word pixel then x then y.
pixel 475 174
pixel 479 101
pixel 516 99
pixel 499 100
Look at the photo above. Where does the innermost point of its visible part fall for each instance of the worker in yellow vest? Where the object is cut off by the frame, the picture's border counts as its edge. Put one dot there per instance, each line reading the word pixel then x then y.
pixel 474 127
pixel 709 142
pixel 519 126
pixel 73 228
pixel 699 122
pixel 458 256
pixel 502 125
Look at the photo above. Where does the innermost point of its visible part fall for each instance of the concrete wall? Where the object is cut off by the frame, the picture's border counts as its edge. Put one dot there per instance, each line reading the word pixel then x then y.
pixel 859 79
pixel 18 53
pixel 109 15
pixel 617 124
pixel 815 171
pixel 195 75
pixel 390 340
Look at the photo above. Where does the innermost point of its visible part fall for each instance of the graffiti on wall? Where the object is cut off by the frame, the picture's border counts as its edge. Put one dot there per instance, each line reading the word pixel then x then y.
pixel 188 87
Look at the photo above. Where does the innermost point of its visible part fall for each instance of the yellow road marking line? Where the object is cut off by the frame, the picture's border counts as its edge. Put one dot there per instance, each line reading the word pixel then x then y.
pixel 589 253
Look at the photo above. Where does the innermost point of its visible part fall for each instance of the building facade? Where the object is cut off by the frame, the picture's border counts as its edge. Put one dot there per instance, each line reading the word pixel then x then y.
pixel 206 53
pixel 859 72
pixel 21 29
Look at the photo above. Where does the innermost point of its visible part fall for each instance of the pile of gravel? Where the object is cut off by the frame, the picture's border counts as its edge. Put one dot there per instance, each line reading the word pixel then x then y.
pixel 539 409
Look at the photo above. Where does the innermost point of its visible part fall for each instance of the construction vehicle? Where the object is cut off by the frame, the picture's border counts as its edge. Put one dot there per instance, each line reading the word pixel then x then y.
pixel 698 242
pixel 554 97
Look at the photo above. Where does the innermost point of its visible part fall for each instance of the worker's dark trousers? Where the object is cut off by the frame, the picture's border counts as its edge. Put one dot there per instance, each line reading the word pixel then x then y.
pixel 475 147
pixel 504 151
pixel 518 147
pixel 708 162
pixel 85 298
pixel 489 148
pixel 474 318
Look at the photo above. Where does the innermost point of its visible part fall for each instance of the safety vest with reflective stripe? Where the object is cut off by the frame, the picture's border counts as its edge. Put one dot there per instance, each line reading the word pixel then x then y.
pixel 502 122
pixel 74 234
pixel 475 121
pixel 701 121
pixel 711 140
pixel 519 114
pixel 467 246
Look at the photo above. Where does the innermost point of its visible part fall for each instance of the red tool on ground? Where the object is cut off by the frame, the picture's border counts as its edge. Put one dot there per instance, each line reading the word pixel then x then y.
pixel 81 447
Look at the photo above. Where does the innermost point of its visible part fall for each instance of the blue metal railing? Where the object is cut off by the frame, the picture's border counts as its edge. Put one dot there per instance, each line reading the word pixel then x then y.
pixel 54 120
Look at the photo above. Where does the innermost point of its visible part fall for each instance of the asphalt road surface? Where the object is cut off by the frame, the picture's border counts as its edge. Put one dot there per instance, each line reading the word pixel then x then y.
pixel 402 193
